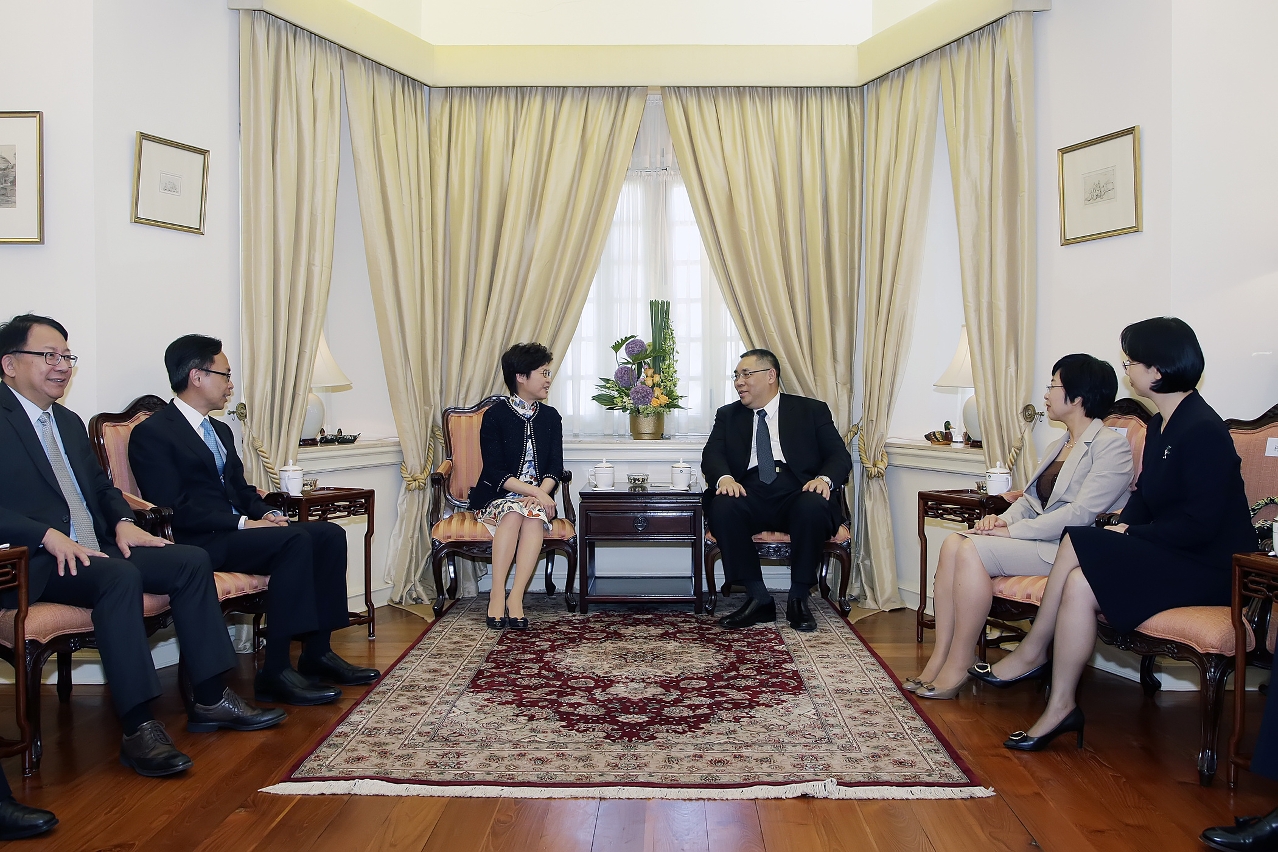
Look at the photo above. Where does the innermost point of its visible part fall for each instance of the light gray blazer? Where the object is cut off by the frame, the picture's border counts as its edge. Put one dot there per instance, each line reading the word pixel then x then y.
pixel 1094 479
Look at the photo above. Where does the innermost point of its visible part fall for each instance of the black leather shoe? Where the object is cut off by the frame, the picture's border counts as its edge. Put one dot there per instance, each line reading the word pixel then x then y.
pixel 150 752
pixel 520 623
pixel 289 687
pixel 984 673
pixel 496 623
pixel 751 612
pixel 800 616
pixel 232 712
pixel 334 669
pixel 1021 741
pixel 18 820
pixel 1255 833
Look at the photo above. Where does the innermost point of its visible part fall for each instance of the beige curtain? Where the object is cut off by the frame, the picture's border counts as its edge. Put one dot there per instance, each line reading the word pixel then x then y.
pixel 774 176
pixel 289 120
pixel 988 94
pixel 900 141
pixel 389 117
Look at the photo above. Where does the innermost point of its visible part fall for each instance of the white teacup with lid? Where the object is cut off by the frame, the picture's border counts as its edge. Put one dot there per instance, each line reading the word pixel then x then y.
pixel 680 475
pixel 291 478
pixel 603 476
pixel 998 479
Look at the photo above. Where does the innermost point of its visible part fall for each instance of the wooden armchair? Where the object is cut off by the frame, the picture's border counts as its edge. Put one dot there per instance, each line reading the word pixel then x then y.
pixel 459 532
pixel 776 545
pixel 13 624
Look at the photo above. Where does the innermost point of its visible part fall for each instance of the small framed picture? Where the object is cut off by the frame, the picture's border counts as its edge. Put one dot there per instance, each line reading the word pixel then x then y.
pixel 1100 187
pixel 170 183
pixel 22 177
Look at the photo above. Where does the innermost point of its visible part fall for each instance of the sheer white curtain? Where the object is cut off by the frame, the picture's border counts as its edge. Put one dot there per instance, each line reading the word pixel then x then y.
pixel 654 251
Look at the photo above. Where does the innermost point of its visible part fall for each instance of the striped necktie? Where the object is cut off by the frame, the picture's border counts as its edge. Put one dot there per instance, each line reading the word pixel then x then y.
pixel 81 520
pixel 210 438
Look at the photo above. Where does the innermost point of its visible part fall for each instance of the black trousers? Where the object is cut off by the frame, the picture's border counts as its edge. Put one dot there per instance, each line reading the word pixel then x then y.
pixel 307 566
pixel 780 506
pixel 113 587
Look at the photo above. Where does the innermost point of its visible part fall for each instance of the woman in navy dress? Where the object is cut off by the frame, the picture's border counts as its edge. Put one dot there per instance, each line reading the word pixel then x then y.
pixel 1174 543
pixel 521 442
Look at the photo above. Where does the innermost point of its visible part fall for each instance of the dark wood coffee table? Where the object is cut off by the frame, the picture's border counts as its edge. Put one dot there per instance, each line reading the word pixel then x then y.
pixel 654 515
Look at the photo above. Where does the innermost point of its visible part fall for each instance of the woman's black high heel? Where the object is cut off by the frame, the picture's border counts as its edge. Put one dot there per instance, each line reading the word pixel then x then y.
pixel 497 623
pixel 520 623
pixel 985 673
pixel 1021 741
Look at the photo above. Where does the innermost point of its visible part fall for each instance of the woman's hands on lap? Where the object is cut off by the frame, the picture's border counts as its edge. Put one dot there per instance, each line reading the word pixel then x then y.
pixel 991 525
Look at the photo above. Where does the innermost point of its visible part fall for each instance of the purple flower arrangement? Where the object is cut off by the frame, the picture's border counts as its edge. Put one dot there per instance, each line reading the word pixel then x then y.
pixel 645 381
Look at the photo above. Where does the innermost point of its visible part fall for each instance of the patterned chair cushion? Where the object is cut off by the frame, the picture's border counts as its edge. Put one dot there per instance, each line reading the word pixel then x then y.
pixel 234 585
pixel 843 536
pixel 47 621
pixel 462 526
pixel 1206 629
pixel 1021 589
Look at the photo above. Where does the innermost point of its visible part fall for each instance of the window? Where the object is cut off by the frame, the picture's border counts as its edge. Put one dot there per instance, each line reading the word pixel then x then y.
pixel 654 251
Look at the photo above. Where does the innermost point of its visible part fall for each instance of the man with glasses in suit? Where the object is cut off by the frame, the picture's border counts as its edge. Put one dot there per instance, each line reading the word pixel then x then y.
pixel 185 459
pixel 57 501
pixel 770 463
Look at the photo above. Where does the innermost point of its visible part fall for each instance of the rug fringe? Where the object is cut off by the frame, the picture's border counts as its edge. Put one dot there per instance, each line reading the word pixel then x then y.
pixel 827 789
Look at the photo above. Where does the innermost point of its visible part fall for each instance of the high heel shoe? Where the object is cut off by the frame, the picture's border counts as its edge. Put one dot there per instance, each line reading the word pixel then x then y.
pixel 520 623
pixel 1021 741
pixel 985 673
pixel 497 623
pixel 929 690
pixel 912 684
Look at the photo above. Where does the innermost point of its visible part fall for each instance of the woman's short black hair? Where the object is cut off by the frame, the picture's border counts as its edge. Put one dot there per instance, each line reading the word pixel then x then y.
pixel 187 353
pixel 523 359
pixel 1170 346
pixel 1088 378
pixel 14 333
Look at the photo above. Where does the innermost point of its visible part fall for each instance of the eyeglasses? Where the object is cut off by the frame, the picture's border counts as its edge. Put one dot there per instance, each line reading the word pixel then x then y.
pixel 216 372
pixel 1127 363
pixel 547 373
pixel 741 374
pixel 1049 387
pixel 53 359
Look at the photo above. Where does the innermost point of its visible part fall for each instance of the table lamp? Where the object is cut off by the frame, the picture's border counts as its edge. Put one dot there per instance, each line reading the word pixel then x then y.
pixel 959 376
pixel 327 376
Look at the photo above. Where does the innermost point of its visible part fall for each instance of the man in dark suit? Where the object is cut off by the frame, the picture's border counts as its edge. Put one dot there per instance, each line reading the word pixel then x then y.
pixel 86 551
pixel 184 459
pixel 770 464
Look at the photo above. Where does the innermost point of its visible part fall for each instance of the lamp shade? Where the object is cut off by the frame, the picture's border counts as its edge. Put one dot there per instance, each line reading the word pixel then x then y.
pixel 959 373
pixel 327 376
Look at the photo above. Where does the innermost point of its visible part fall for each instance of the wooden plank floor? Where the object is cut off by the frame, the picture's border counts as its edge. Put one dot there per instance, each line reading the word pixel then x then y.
pixel 1133 787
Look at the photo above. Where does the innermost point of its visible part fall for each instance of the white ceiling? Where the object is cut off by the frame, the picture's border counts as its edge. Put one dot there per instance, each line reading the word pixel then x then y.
pixel 604 22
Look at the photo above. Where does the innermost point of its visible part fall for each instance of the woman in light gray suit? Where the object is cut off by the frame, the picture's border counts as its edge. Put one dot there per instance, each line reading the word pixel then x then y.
pixel 1082 475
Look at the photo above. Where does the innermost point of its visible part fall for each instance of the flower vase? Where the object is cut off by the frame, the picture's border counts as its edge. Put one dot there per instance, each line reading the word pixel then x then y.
pixel 649 427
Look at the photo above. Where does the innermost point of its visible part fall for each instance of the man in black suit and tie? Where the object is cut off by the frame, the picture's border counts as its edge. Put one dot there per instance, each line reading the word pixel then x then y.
pixel 58 502
pixel 770 463
pixel 184 459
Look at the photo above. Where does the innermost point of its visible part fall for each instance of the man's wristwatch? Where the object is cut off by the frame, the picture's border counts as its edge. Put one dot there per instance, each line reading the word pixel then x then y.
pixel 828 482
pixel 133 521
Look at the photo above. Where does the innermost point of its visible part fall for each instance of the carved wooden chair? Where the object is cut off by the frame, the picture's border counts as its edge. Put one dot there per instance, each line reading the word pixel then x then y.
pixel 458 532
pixel 776 545
pixel 13 624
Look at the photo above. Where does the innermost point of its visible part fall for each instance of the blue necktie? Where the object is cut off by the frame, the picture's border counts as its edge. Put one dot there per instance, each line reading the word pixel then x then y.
pixel 763 450
pixel 210 438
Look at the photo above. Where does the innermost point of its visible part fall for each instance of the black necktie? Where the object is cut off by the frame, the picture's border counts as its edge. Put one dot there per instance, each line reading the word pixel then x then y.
pixel 763 450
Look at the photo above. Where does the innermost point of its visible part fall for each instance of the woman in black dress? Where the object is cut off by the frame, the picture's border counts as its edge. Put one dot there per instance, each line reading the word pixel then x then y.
pixel 521 442
pixel 1174 543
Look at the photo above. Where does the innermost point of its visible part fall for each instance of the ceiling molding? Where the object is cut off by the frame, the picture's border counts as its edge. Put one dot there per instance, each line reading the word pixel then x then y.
pixel 364 33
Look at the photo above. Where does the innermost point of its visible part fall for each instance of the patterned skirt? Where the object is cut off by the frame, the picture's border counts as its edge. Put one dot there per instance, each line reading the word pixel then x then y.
pixel 492 514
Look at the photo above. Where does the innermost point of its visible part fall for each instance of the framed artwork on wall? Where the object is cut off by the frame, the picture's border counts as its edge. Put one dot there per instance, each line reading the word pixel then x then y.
pixel 1100 187
pixel 22 177
pixel 170 184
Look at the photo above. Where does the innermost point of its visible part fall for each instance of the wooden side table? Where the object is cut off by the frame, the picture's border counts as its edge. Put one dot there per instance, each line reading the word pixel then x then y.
pixel 964 506
pixel 1255 579
pixel 657 515
pixel 331 504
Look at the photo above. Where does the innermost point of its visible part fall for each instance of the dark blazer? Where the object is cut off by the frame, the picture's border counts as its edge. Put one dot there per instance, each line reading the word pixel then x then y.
pixel 1190 496
pixel 503 439
pixel 31 501
pixel 809 440
pixel 174 467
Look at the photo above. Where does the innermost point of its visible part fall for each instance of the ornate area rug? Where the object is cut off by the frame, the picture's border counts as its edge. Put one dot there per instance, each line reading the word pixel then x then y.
pixel 635 703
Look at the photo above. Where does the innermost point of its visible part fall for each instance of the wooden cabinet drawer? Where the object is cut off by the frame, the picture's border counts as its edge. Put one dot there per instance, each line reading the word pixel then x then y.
pixel 639 525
